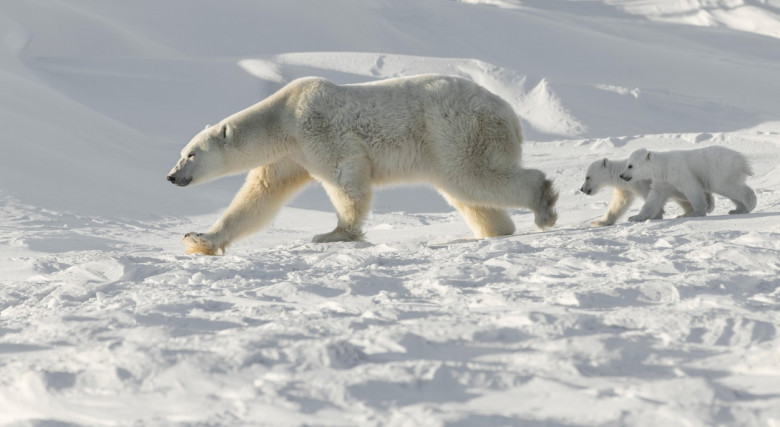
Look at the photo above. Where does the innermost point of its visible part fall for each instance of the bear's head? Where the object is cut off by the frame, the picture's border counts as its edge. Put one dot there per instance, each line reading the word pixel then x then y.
pixel 596 177
pixel 203 158
pixel 638 165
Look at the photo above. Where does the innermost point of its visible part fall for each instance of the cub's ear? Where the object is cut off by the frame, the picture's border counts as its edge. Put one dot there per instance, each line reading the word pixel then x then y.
pixel 648 156
pixel 207 126
pixel 604 163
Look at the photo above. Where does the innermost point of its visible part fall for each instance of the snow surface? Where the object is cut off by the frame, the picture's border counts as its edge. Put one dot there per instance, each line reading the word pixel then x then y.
pixel 105 321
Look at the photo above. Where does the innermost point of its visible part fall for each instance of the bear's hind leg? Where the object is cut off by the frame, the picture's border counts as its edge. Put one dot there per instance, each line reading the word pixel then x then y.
pixel 743 197
pixel 687 208
pixel 526 188
pixel 545 215
pixel 484 221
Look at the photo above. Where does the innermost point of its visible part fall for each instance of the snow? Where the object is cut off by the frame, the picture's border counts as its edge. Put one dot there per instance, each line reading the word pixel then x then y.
pixel 104 319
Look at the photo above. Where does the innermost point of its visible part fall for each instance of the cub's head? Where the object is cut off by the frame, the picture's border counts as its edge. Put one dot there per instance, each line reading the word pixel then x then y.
pixel 596 177
pixel 638 165
pixel 203 158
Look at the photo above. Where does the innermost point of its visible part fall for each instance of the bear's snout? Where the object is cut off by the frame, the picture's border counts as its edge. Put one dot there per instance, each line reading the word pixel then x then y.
pixel 588 191
pixel 181 182
pixel 625 178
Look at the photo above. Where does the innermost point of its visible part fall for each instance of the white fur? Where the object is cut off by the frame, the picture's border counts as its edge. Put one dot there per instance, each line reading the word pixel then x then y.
pixel 445 131
pixel 692 173
pixel 606 173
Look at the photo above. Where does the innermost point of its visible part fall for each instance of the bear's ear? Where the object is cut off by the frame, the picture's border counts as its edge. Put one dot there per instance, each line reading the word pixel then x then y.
pixel 207 126
pixel 604 163
pixel 226 131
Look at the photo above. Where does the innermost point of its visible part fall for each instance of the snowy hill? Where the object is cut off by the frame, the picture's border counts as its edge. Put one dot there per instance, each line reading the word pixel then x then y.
pixel 104 320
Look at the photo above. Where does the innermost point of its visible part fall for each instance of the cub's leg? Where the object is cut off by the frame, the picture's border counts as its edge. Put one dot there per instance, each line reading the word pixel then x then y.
pixel 710 202
pixel 350 192
pixel 696 196
pixel 654 204
pixel 687 208
pixel 265 190
pixel 484 221
pixel 621 201
pixel 526 188
pixel 742 196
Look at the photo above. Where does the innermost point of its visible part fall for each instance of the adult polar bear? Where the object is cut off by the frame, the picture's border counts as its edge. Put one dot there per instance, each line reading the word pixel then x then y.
pixel 693 174
pixel 446 131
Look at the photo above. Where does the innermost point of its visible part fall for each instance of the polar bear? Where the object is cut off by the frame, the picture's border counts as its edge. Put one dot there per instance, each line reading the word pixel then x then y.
pixel 606 173
pixel 445 131
pixel 692 173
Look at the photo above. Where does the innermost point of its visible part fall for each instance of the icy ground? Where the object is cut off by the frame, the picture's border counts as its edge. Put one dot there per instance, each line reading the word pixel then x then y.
pixel 105 321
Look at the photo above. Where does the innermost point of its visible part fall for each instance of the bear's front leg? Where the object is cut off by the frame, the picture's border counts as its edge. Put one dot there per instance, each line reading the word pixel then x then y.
pixel 621 201
pixel 697 198
pixel 265 190
pixel 350 193
pixel 653 205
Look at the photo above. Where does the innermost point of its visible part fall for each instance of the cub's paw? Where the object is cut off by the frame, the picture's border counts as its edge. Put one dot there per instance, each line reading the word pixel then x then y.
pixel 637 218
pixel 198 243
pixel 600 223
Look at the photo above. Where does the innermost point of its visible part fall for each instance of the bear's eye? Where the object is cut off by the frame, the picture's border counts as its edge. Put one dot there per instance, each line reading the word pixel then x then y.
pixel 587 178
pixel 191 156
pixel 630 166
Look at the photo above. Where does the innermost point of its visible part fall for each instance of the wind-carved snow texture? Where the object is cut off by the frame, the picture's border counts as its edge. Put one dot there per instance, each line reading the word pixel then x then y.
pixel 665 321
pixel 104 320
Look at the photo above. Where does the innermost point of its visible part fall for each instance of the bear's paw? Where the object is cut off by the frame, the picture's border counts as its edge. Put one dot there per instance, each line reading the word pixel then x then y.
pixel 197 243
pixel 545 215
pixel 339 235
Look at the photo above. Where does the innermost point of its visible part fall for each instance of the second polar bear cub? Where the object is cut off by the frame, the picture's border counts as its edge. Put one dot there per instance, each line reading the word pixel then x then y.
pixel 693 173
pixel 606 173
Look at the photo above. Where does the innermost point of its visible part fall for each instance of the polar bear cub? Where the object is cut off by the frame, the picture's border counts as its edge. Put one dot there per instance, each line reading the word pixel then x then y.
pixel 445 131
pixel 692 173
pixel 606 173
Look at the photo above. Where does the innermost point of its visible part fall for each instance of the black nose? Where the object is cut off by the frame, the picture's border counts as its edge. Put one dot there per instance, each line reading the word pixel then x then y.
pixel 624 178
pixel 172 179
